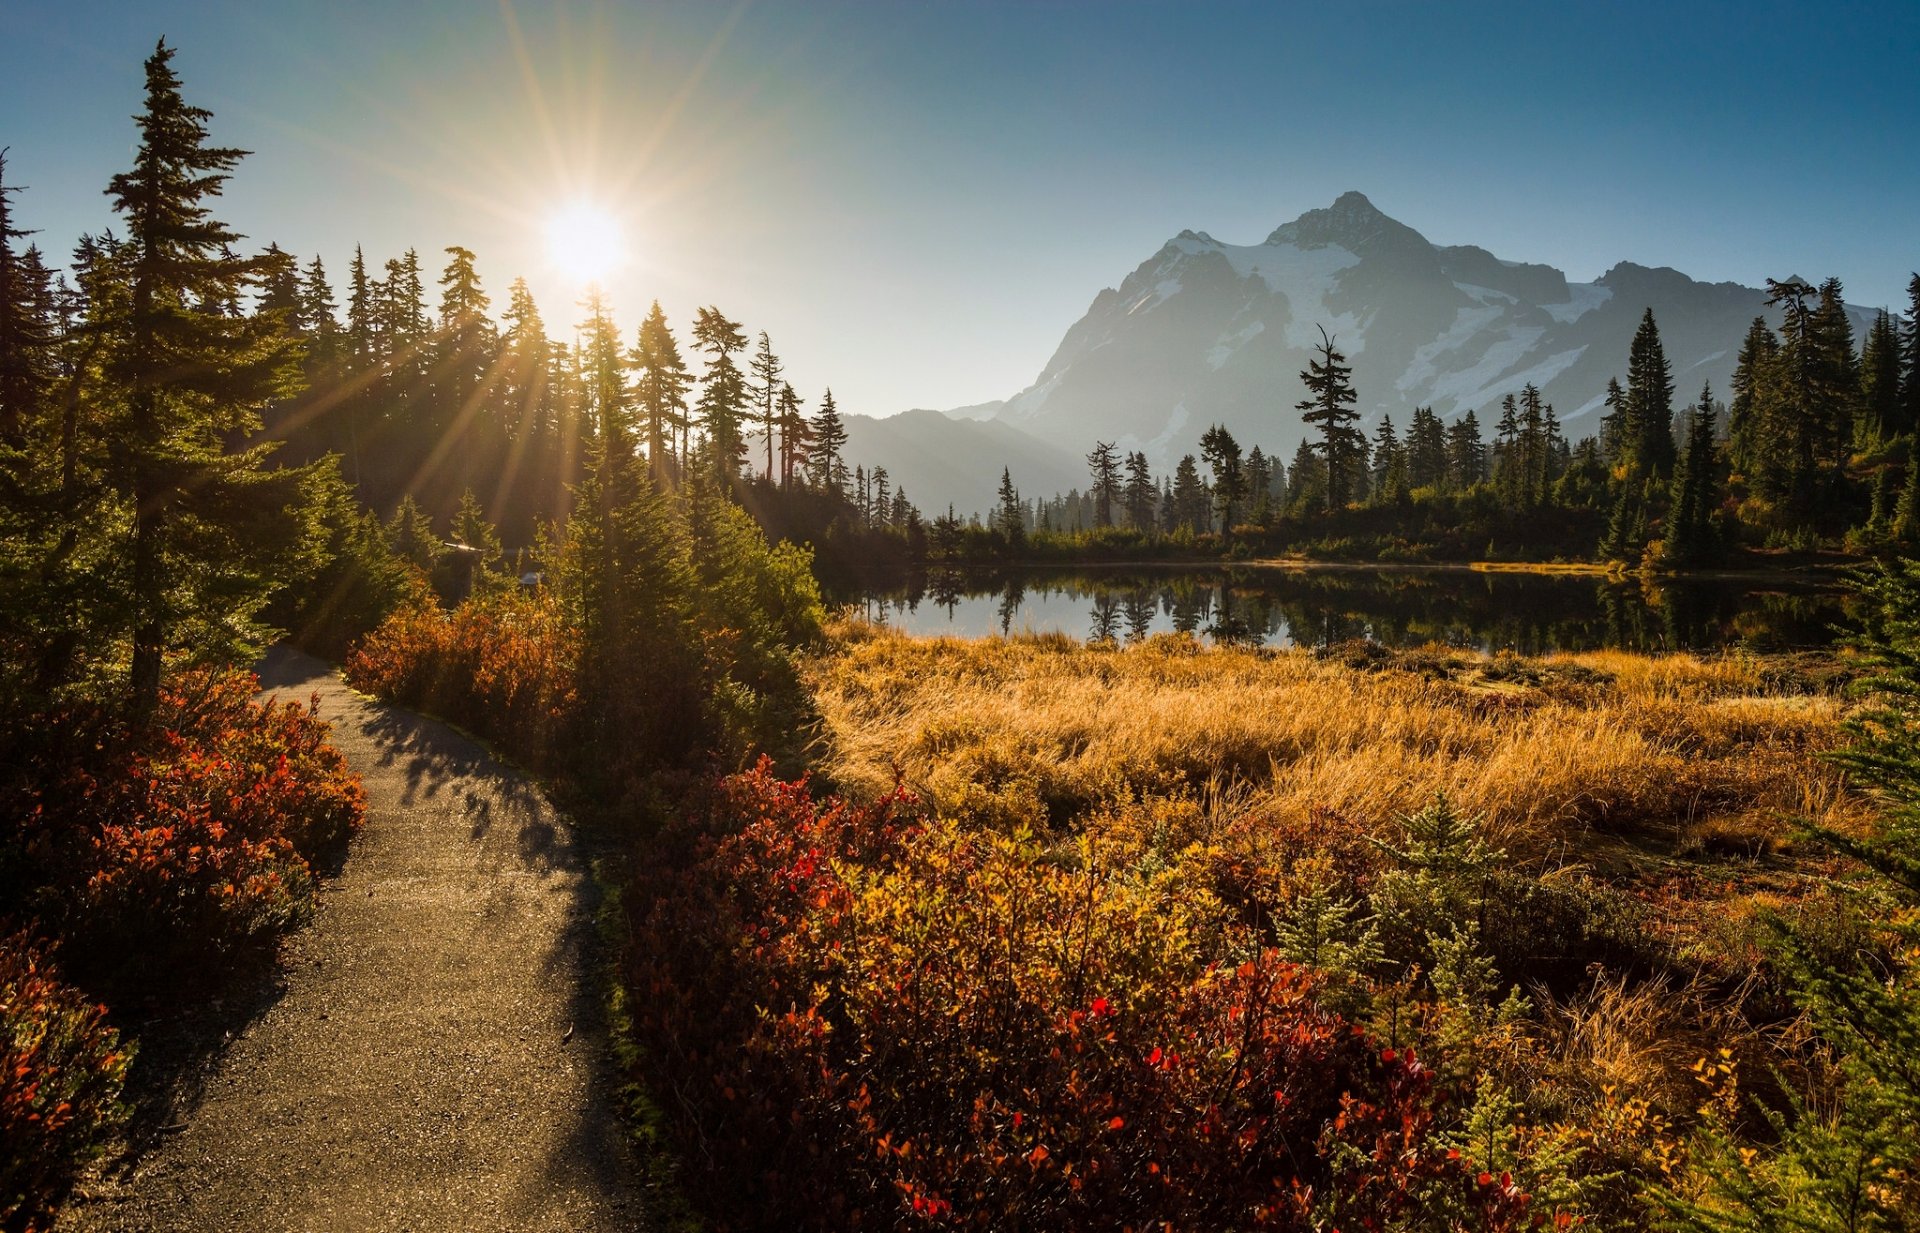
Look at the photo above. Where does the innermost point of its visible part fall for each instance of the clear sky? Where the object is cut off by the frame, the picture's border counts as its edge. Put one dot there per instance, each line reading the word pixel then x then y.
pixel 916 199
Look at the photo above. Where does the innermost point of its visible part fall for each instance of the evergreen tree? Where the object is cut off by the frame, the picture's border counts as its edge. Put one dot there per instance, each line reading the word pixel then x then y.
pixel 1189 498
pixel 464 357
pixel 1259 485
pixel 1753 442
pixel 1906 511
pixel 1466 452
pixel 410 532
pixel 1105 467
pixel 26 332
pixel 1329 406
pixel 828 463
pixel 1880 384
pixel 1426 450
pixel 1843 1164
pixel 1386 455
pixel 1689 537
pixel 1614 444
pixel 660 390
pixel 1010 518
pixel 481 541
pixel 189 382
pixel 724 394
pixel 796 434
pixel 766 369
pixel 1648 410
pixel 1142 498
pixel 1306 480
pixel 1797 417
pixel 607 402
pixel 1222 454
pixel 1839 385
pixel 526 368
pixel 1910 361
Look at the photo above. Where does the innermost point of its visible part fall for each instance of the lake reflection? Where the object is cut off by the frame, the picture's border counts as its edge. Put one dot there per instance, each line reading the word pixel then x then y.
pixel 1317 607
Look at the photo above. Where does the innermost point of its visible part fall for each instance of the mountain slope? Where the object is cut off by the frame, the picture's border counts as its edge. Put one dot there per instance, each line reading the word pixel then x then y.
pixel 1205 332
pixel 944 461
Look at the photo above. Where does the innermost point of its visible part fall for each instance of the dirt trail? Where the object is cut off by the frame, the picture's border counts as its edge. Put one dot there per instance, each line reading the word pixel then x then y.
pixel 433 1059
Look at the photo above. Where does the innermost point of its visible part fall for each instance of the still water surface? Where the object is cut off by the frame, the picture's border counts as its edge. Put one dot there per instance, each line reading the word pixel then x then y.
pixel 1529 613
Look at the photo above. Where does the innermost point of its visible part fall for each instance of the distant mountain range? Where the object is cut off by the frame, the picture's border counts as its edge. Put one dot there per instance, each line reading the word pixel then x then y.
pixel 1204 332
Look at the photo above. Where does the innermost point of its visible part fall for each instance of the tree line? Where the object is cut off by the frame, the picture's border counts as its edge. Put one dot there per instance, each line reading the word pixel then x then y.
pixel 1812 448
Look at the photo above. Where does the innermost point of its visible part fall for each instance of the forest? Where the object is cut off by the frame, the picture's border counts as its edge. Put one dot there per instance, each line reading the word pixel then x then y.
pixel 926 933
pixel 1808 453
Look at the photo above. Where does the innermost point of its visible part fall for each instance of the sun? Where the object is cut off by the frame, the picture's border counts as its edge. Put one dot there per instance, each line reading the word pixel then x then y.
pixel 585 242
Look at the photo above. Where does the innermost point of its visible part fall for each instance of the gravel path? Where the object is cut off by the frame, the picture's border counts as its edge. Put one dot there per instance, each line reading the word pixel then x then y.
pixel 434 1058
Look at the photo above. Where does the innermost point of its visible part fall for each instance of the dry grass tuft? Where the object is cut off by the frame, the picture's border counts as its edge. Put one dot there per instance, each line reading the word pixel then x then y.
pixel 1548 752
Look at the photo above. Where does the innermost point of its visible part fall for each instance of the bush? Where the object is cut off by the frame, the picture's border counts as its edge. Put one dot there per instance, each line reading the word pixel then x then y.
pixel 147 853
pixel 505 665
pixel 61 1071
pixel 867 1021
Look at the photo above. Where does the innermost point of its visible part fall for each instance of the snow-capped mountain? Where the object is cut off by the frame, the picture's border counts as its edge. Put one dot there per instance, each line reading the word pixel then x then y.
pixel 1205 332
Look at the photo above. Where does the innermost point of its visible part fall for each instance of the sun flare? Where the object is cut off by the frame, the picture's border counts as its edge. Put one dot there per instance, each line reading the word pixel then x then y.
pixel 585 242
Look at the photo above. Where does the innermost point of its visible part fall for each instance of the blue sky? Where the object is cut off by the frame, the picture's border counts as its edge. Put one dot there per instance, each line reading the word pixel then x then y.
pixel 916 199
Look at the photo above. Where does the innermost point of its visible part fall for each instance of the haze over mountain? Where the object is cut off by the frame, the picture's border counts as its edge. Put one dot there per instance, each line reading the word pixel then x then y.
pixel 1205 332
pixel 942 460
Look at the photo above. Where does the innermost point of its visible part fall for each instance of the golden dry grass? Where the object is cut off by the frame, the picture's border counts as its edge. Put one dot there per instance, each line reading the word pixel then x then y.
pixel 1548 752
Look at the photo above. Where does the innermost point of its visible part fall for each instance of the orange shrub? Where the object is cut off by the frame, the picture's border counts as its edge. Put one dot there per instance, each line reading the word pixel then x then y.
pixel 504 665
pixel 61 1071
pixel 146 853
pixel 871 1021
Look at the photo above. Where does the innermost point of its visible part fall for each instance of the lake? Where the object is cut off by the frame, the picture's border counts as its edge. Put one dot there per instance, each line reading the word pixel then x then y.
pixel 1319 606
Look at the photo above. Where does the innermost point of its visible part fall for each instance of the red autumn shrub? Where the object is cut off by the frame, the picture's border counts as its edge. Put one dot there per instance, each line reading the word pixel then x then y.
pixel 151 853
pixel 505 666
pixel 61 1071
pixel 863 1021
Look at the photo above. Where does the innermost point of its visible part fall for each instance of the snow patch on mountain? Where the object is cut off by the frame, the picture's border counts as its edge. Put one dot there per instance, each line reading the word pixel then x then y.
pixel 1467 323
pixel 1586 298
pixel 1230 343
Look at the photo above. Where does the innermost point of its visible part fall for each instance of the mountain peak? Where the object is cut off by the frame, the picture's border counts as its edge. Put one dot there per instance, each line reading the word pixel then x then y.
pixel 1352 222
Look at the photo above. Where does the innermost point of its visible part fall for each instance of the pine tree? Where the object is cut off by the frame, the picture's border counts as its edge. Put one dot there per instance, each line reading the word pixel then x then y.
pixel 1386 454
pixel 724 394
pixel 766 369
pixel 190 382
pixel 526 368
pixel 1752 439
pixel 660 390
pixel 1105 468
pixel 1839 376
pixel 1306 480
pixel 1189 503
pixel 1259 485
pixel 480 541
pixel 1010 518
pixel 1614 444
pixel 410 532
pixel 1910 361
pixel 1798 374
pixel 1509 467
pixel 319 315
pixel 1466 452
pixel 1689 537
pixel 1329 406
pixel 26 333
pixel 1649 402
pixel 465 352
pixel 1222 454
pixel 1844 1164
pixel 1426 450
pixel 1142 498
pixel 828 463
pixel 796 434
pixel 1880 384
